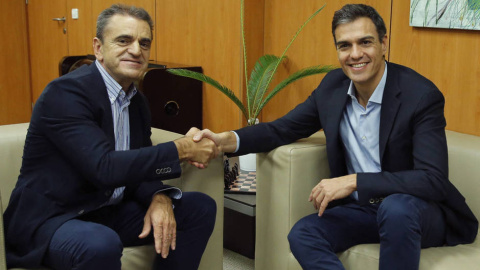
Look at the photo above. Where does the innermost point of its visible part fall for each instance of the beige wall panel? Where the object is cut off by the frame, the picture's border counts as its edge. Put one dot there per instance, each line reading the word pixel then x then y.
pixel 99 5
pixel 207 34
pixel 15 104
pixel 81 30
pixel 450 58
pixel 314 45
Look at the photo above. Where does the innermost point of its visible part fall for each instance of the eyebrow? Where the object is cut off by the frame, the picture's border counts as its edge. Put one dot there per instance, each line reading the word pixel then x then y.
pixel 131 37
pixel 342 42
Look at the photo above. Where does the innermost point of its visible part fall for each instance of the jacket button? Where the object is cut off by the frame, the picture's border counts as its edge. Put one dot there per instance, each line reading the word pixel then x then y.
pixel 371 201
pixel 81 212
pixel 158 171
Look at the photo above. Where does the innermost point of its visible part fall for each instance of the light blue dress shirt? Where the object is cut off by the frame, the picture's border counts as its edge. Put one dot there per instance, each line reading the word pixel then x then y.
pixel 360 130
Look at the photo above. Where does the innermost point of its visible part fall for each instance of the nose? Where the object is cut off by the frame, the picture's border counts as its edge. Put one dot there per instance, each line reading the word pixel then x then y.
pixel 134 48
pixel 356 52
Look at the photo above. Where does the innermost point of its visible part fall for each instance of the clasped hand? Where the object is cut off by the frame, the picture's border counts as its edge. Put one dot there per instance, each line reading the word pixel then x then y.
pixel 198 152
pixel 204 137
pixel 328 190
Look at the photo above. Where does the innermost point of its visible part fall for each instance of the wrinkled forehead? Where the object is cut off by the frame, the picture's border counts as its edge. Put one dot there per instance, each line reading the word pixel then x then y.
pixel 125 25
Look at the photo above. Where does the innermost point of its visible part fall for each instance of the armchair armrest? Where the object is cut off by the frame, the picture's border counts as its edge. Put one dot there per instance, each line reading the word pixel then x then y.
pixel 208 181
pixel 285 178
pixel 3 260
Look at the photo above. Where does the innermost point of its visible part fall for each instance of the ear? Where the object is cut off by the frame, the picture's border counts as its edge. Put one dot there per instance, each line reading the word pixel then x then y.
pixel 384 44
pixel 97 49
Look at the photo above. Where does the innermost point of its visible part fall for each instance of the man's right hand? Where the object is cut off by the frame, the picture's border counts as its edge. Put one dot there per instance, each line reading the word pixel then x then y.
pixel 200 152
pixel 225 141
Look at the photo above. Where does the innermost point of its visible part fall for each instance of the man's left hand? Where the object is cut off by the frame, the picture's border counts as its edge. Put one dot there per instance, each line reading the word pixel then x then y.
pixel 331 189
pixel 160 216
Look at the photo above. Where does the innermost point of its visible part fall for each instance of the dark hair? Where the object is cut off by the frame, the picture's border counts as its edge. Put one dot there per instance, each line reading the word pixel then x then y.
pixel 138 13
pixel 351 12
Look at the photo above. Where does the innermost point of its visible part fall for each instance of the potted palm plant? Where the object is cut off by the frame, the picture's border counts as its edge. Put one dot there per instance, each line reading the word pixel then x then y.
pixel 257 94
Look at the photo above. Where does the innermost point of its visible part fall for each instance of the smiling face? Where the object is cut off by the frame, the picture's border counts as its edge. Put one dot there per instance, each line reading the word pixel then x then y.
pixel 361 53
pixel 125 49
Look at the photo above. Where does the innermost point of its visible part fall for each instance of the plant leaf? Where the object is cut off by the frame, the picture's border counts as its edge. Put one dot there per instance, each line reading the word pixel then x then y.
pixel 204 78
pixel 288 46
pixel 259 79
pixel 294 77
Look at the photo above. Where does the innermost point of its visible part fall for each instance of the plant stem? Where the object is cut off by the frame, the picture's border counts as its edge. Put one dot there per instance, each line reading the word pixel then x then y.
pixel 257 112
pixel 242 17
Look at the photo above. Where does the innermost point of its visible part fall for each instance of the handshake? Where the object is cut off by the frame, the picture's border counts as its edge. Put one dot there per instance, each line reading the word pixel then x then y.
pixel 198 147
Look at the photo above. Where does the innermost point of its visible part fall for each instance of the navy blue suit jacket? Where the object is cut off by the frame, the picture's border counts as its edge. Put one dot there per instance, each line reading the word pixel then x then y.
pixel 70 166
pixel 413 148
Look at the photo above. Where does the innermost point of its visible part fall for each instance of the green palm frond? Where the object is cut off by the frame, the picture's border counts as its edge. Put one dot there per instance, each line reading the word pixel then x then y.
pixel 204 78
pixel 259 79
pixel 294 77
pixel 295 37
pixel 262 75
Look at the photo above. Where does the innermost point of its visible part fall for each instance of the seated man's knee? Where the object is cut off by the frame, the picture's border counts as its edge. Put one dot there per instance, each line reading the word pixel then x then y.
pixel 205 207
pixel 303 230
pixel 102 248
pixel 398 209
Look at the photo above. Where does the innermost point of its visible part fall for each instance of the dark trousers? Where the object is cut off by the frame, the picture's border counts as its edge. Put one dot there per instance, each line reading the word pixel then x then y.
pixel 402 224
pixel 96 240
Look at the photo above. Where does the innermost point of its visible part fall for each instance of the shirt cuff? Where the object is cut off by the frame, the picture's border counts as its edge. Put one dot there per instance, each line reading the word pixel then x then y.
pixel 238 141
pixel 171 192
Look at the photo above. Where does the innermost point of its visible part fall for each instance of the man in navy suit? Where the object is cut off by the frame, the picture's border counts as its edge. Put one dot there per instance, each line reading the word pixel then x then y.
pixel 386 145
pixel 91 181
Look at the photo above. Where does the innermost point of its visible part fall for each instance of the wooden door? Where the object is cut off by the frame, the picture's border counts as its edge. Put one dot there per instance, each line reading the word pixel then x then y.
pixel 47 29
pixel 15 101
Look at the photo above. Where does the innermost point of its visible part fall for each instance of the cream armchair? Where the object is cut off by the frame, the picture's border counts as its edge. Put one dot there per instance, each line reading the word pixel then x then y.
pixel 208 181
pixel 286 175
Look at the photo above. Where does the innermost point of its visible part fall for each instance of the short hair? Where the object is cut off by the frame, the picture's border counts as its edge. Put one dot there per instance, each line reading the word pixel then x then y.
pixel 351 12
pixel 120 9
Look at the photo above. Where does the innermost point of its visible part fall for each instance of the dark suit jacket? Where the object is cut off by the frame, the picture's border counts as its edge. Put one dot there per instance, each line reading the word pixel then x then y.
pixel 70 166
pixel 413 148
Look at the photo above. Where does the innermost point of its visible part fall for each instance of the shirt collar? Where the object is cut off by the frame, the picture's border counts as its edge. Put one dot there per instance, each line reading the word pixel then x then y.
pixel 114 89
pixel 377 94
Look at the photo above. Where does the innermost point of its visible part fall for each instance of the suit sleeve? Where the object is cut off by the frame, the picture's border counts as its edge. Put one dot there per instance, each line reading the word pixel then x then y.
pixel 71 122
pixel 417 163
pixel 299 123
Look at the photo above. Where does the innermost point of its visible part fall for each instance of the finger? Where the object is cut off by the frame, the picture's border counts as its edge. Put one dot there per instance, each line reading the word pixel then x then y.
pixel 316 196
pixel 323 206
pixel 310 197
pixel 166 243
pixel 192 131
pixel 199 136
pixel 206 133
pixel 196 164
pixel 319 199
pixel 159 238
pixel 174 239
pixel 146 228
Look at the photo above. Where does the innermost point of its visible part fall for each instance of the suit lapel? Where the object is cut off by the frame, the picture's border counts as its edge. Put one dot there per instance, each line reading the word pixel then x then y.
pixel 390 106
pixel 106 121
pixel 335 114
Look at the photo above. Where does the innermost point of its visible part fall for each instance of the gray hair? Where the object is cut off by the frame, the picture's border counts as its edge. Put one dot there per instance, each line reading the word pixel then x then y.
pixel 138 13
pixel 351 12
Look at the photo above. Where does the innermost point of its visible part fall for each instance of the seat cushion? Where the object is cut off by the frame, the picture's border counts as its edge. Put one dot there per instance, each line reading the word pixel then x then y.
pixel 439 258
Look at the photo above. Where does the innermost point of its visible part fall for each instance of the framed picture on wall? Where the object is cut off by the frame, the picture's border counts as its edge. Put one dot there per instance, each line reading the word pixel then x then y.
pixel 452 14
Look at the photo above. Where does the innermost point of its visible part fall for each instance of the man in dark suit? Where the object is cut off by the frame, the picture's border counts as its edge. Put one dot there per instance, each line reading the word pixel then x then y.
pixel 385 131
pixel 91 181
